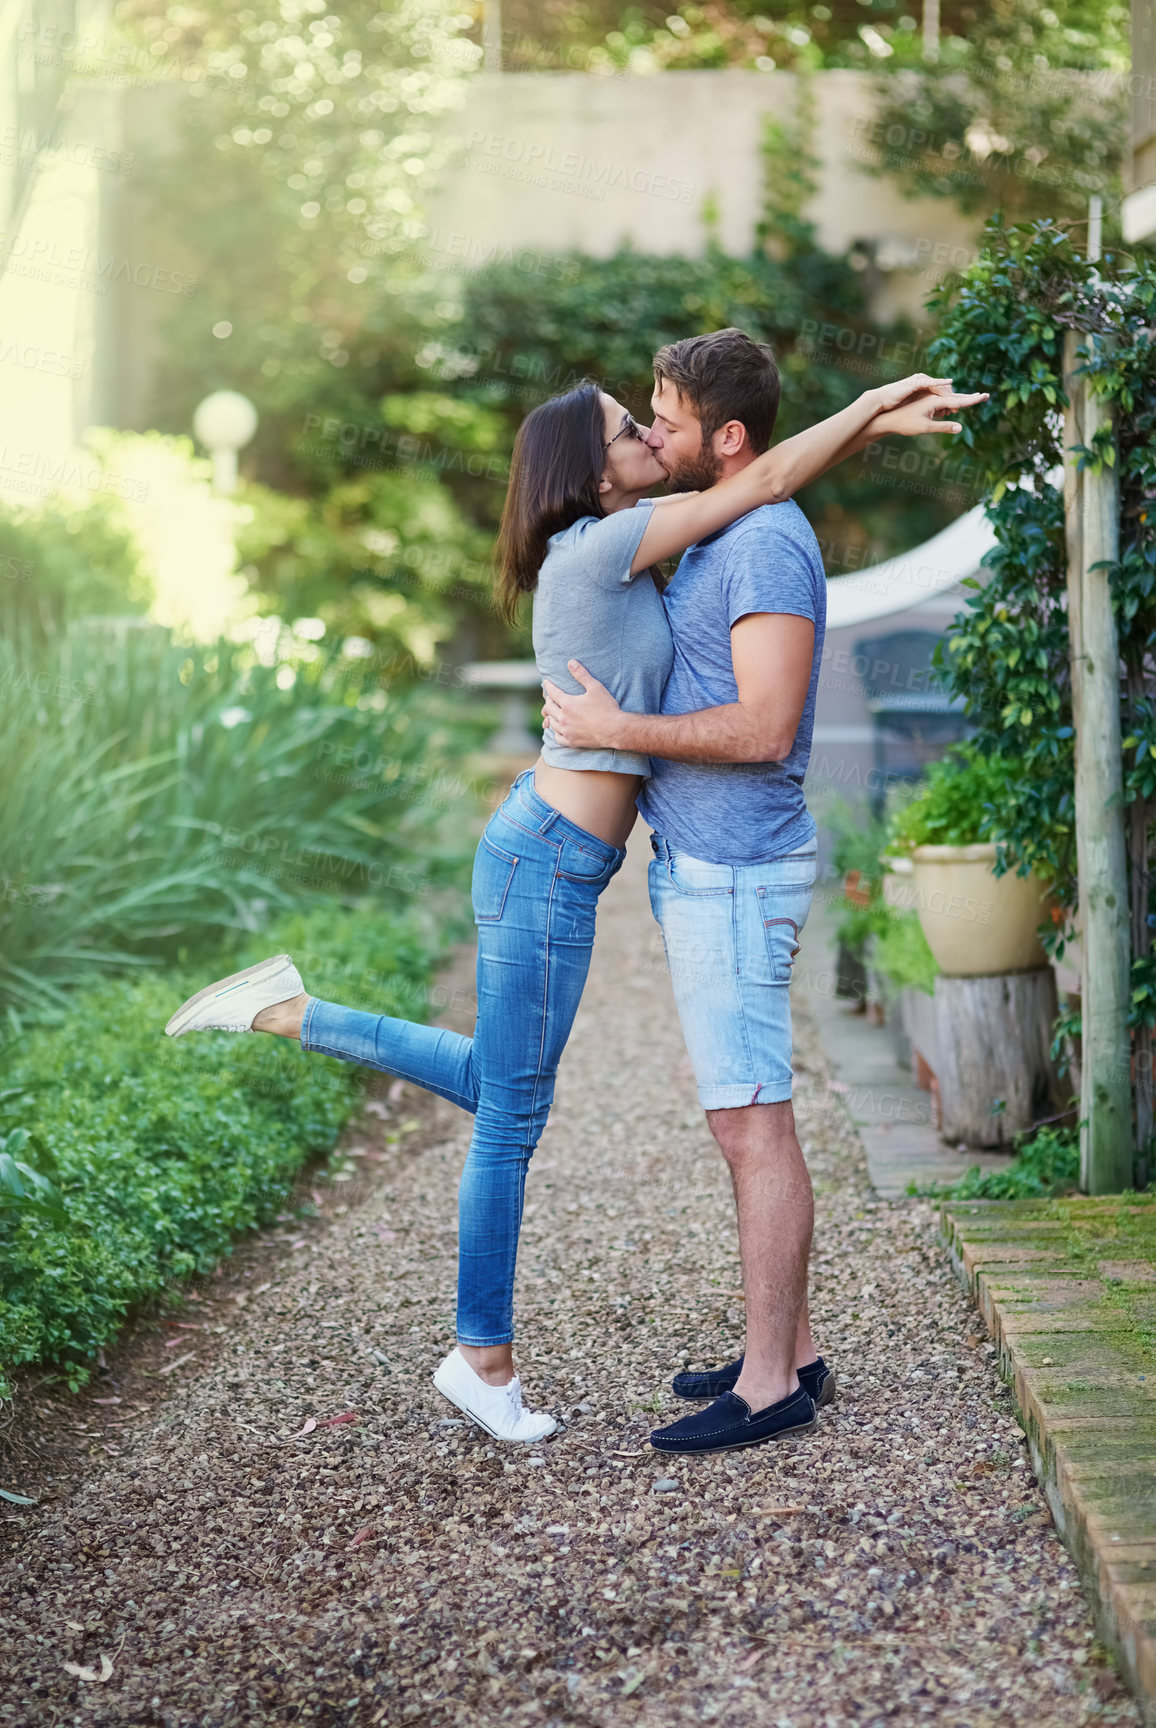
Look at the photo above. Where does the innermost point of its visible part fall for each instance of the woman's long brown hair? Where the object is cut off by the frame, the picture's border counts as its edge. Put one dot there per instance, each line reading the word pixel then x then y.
pixel 558 461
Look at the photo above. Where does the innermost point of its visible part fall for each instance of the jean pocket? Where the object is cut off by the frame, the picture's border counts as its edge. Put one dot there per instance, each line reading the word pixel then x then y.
pixel 783 908
pixel 581 863
pixel 782 937
pixel 493 873
pixel 696 878
pixel 793 875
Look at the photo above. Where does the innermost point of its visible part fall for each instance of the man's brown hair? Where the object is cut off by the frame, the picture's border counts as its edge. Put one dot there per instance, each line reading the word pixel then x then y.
pixel 724 376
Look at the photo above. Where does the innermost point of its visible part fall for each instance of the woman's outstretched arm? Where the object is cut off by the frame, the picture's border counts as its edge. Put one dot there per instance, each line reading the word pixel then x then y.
pixel 908 407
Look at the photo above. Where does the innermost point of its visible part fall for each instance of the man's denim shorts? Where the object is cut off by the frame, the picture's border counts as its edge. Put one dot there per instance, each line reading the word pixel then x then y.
pixel 731 933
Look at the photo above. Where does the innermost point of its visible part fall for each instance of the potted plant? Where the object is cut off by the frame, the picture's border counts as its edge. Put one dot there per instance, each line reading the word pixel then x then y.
pixel 976 922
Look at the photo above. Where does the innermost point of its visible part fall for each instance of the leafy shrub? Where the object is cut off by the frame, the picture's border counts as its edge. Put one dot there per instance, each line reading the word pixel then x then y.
pixel 23 1188
pixel 958 804
pixel 1005 322
pixel 162 1150
pixel 67 560
pixel 390 557
pixel 902 955
pixel 1003 325
pixel 857 838
pixel 1047 1161
pixel 158 799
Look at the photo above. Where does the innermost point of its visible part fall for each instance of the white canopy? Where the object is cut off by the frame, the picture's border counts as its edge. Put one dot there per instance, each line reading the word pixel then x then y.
pixel 913 576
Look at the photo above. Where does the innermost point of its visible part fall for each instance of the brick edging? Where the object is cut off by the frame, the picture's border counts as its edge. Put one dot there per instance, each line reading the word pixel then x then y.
pixel 1125 1612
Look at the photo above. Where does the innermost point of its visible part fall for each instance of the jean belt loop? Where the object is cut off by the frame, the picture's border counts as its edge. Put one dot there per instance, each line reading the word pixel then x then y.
pixel 529 799
pixel 524 787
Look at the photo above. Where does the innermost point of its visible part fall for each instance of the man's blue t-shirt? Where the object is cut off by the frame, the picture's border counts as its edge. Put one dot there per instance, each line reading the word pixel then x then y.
pixel 742 812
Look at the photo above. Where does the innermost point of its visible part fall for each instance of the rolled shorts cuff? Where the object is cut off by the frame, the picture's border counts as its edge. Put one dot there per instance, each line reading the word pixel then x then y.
pixel 738 1097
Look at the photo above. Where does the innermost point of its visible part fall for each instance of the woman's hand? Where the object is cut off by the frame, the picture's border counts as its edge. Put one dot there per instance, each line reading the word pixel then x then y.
pixel 924 413
pixel 889 396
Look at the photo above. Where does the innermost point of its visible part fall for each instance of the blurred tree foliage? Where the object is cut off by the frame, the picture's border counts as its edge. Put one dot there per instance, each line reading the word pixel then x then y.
pixel 1025 115
pixel 995 122
pixel 314 297
pixel 606 35
pixel 794 35
pixel 389 391
pixel 297 166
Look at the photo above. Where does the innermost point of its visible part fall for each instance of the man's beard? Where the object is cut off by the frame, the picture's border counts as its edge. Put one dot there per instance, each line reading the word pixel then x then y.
pixel 696 473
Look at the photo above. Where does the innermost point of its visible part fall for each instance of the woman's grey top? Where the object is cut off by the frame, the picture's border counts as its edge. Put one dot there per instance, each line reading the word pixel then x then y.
pixel 588 607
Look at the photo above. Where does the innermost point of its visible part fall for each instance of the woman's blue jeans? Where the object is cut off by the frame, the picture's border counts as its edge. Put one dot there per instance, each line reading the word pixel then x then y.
pixel 537 878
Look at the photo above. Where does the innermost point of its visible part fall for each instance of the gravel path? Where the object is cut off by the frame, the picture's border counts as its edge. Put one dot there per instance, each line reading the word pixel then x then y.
pixel 897 1566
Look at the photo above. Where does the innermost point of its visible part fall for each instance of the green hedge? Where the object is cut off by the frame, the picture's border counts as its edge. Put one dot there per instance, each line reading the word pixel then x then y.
pixel 164 1150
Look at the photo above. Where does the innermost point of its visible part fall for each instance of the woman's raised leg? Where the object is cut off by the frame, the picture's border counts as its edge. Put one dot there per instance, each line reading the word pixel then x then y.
pixel 433 1058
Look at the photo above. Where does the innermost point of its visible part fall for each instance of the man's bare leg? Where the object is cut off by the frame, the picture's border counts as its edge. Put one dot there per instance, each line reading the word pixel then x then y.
pixel 776 1215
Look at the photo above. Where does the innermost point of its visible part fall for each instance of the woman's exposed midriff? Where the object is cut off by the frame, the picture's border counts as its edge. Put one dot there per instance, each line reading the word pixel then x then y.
pixel 597 800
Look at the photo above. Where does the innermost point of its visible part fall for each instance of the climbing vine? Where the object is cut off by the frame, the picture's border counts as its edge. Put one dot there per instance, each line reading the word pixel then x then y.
pixel 1002 328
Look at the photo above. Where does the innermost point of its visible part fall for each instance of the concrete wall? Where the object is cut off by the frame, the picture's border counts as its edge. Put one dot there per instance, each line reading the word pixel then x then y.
pixel 569 160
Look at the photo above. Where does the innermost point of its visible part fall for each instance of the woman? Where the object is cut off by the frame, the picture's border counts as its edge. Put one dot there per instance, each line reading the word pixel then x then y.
pixel 571 533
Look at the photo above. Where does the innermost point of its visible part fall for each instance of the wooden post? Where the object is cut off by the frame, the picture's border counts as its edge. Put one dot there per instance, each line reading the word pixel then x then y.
pixel 1092 521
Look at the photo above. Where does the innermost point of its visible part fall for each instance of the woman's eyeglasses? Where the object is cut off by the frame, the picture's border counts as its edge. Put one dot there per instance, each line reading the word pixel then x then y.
pixel 628 429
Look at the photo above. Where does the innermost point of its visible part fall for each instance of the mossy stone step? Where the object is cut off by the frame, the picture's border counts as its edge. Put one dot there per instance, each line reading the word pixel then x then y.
pixel 1067 1289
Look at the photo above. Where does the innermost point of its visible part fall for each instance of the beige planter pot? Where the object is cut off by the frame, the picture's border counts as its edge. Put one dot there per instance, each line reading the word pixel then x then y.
pixel 898 883
pixel 976 923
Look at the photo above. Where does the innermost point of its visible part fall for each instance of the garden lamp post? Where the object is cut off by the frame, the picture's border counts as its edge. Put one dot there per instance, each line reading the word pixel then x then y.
pixel 224 423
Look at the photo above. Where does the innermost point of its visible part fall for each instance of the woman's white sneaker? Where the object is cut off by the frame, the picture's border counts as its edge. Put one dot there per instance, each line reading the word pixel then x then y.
pixel 232 1004
pixel 497 1409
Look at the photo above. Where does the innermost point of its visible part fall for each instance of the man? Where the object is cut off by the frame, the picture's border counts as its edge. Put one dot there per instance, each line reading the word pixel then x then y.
pixel 735 856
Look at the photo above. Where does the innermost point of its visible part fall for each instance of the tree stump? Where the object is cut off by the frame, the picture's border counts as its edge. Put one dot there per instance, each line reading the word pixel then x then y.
pixel 994 1035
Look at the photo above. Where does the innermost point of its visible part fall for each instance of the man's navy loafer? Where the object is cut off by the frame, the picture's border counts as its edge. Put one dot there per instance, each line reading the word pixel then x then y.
pixel 816 1378
pixel 730 1422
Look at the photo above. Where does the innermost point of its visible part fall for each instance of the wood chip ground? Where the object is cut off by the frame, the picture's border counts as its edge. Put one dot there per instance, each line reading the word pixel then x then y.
pixel 897 1566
